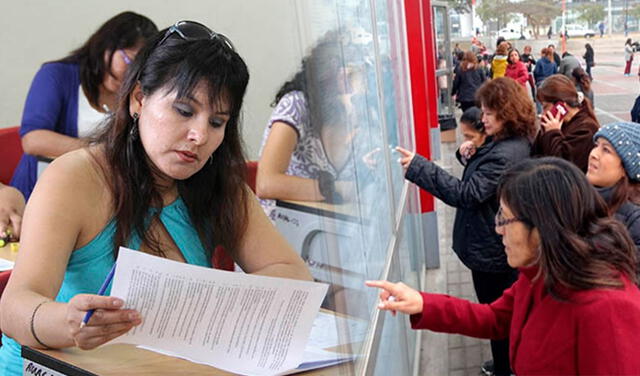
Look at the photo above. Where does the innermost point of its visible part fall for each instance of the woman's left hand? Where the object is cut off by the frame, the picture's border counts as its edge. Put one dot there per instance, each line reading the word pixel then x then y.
pixel 550 122
pixel 406 157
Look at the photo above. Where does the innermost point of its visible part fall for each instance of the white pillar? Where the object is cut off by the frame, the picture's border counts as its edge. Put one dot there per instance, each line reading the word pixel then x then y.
pixel 610 27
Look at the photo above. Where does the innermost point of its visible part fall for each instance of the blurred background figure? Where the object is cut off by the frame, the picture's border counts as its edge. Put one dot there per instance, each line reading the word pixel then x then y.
pixel 469 77
pixel 70 97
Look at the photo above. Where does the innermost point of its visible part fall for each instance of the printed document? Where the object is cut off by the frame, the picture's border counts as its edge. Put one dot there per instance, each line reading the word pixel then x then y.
pixel 237 322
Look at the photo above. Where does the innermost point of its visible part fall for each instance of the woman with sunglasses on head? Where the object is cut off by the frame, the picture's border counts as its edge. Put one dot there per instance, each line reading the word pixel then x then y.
pixel 509 124
pixel 568 122
pixel 614 169
pixel 70 97
pixel 575 309
pixel 166 176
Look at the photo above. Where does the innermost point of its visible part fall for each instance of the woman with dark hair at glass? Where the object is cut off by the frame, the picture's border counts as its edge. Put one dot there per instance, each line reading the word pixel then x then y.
pixel 569 133
pixel 614 169
pixel 575 309
pixel 70 97
pixel 166 177
pixel 509 122
pixel 305 150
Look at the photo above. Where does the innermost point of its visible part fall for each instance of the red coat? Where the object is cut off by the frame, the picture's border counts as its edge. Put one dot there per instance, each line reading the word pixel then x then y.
pixel 595 332
pixel 518 72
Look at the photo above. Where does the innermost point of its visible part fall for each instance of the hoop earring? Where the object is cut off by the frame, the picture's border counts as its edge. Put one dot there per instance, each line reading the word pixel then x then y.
pixel 211 159
pixel 133 133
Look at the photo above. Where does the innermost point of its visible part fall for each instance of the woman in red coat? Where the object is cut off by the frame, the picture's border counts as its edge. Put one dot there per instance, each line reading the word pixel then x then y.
pixel 575 308
pixel 516 68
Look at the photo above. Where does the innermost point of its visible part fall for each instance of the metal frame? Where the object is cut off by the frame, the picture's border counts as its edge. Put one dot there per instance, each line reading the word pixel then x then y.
pixel 448 71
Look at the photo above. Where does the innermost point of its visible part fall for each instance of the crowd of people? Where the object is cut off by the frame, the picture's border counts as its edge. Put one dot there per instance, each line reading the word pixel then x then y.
pixel 148 154
pixel 547 218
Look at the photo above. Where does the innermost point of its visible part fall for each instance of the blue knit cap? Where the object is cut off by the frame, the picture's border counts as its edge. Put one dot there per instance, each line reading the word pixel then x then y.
pixel 625 138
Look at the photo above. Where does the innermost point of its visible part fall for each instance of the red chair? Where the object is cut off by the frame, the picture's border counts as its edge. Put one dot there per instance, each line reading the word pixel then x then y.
pixel 10 152
pixel 220 258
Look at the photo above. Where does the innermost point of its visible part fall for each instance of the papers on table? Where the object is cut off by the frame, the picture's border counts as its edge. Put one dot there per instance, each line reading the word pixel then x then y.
pixel 330 330
pixel 5 265
pixel 237 322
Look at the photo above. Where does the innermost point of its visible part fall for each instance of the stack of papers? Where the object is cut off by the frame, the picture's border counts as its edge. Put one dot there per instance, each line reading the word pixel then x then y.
pixel 237 322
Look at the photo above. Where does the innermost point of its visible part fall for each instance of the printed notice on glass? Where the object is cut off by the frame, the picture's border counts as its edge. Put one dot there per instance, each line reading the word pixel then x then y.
pixel 237 322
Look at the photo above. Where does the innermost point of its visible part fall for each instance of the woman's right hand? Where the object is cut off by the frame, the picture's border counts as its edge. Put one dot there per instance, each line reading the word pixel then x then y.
pixel 107 322
pixel 467 149
pixel 398 297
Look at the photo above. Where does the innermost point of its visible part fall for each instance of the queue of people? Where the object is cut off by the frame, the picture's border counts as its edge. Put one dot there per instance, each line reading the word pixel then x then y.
pixel 547 218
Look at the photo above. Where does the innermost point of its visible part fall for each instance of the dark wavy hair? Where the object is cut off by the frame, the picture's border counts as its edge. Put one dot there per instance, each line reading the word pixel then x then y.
pixel 216 196
pixel 582 78
pixel 559 87
pixel 512 105
pixel 320 78
pixel 125 30
pixel 581 247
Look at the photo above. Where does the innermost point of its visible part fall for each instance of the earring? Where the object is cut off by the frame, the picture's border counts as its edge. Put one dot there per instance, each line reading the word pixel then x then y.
pixel 211 159
pixel 133 133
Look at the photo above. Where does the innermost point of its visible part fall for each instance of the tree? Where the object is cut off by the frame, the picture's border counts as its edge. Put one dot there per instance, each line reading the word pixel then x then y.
pixel 635 11
pixel 494 10
pixel 591 13
pixel 539 13
pixel 460 6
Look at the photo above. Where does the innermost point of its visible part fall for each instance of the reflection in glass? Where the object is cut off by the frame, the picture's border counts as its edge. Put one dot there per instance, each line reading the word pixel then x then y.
pixel 347 107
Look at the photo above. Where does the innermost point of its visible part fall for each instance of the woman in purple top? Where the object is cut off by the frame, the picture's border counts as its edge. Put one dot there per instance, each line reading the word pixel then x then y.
pixel 69 97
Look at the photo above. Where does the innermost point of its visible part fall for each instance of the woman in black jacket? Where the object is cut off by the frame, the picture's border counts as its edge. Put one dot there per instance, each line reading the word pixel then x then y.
pixel 469 77
pixel 589 58
pixel 509 118
pixel 614 169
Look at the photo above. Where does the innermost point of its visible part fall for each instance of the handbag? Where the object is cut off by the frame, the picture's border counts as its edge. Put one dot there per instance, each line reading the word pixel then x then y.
pixel 447 121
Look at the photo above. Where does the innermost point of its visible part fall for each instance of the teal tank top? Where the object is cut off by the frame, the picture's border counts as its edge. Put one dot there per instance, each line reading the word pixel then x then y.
pixel 89 265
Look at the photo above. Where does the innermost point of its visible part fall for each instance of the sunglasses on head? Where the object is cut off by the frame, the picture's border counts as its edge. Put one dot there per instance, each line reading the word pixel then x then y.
pixel 191 30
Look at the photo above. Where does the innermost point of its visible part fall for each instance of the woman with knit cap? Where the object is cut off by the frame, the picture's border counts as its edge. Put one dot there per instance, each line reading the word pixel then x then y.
pixel 614 169
pixel 569 133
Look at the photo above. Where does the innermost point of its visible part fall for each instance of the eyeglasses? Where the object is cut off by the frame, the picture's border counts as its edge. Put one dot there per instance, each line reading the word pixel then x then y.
pixel 502 221
pixel 191 30
pixel 125 57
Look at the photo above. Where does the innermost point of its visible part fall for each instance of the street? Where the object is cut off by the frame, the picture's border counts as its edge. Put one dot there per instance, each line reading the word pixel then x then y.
pixel 614 93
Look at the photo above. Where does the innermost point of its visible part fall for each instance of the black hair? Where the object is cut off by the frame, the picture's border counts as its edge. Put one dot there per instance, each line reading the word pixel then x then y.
pixel 216 196
pixel 581 247
pixel 124 30
pixel 473 117
pixel 320 81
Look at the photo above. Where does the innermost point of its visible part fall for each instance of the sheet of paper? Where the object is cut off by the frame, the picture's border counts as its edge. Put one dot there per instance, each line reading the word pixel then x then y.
pixel 330 330
pixel 311 359
pixel 5 265
pixel 237 322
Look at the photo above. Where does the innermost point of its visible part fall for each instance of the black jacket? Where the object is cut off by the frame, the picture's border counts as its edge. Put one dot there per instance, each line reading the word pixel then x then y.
pixel 475 241
pixel 628 213
pixel 467 83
